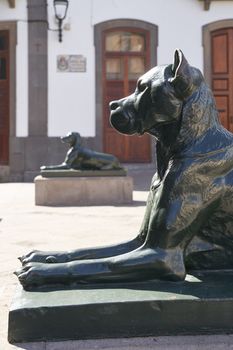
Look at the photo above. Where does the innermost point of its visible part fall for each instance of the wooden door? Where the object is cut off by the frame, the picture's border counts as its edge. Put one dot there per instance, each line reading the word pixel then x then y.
pixel 4 97
pixel 222 74
pixel 126 57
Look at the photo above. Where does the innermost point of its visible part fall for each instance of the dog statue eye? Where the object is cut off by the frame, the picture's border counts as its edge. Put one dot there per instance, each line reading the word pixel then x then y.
pixel 141 86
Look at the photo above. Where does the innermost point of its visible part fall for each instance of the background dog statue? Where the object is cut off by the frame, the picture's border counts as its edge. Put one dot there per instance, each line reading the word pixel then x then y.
pixel 81 158
pixel 188 222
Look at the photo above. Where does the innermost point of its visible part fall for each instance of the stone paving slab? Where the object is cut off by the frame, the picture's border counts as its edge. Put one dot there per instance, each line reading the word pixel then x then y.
pixel 211 342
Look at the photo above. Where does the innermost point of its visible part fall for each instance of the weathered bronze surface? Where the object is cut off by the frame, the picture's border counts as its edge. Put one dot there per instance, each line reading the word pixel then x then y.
pixel 82 173
pixel 201 304
pixel 188 222
pixel 81 158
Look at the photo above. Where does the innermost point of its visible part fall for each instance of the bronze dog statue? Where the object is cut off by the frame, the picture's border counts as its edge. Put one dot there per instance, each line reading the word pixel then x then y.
pixel 82 158
pixel 188 222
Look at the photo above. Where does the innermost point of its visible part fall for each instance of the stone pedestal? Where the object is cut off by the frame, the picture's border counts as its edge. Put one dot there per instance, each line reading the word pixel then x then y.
pixel 83 190
pixel 202 304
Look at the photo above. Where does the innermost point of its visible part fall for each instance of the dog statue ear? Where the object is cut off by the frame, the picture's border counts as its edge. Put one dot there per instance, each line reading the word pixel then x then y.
pixel 182 77
pixel 79 140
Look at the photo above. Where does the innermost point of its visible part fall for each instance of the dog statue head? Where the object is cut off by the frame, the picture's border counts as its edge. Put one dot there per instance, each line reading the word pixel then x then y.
pixel 72 138
pixel 158 99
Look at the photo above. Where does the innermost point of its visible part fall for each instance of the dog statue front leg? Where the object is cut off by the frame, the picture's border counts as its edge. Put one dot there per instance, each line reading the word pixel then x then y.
pixel 141 264
pixel 37 256
pixel 94 252
pixel 175 222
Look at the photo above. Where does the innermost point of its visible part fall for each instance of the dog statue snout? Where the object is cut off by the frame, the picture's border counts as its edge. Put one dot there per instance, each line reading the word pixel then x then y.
pixel 114 105
pixel 118 119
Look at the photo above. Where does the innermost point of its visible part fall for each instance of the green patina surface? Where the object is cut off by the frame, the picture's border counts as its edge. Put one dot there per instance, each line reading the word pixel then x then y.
pixel 201 304
pixel 82 173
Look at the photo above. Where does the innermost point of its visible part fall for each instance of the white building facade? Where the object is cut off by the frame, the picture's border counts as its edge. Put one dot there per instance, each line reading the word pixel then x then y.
pixel 48 88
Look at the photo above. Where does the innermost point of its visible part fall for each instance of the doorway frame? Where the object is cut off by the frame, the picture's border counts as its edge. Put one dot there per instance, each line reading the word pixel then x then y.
pixel 99 28
pixel 11 27
pixel 206 43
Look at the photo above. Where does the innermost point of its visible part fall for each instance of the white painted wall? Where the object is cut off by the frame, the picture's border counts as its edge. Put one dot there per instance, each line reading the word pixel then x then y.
pixel 72 95
pixel 180 22
pixel 19 14
pixel 22 80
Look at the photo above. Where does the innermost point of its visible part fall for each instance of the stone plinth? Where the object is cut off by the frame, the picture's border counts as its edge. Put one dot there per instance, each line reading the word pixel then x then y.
pixel 200 305
pixel 83 190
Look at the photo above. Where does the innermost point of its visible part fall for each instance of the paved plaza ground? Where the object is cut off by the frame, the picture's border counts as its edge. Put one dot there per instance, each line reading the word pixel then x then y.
pixel 25 227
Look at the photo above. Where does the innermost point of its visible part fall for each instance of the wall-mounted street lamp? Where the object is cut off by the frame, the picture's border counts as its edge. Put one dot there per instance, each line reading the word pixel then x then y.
pixel 60 8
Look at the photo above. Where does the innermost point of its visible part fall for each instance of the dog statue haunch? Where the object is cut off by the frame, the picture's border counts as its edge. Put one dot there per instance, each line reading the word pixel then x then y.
pixel 188 222
pixel 81 158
